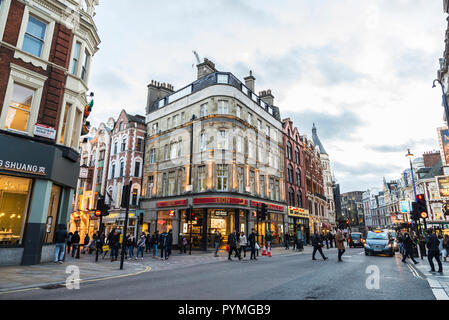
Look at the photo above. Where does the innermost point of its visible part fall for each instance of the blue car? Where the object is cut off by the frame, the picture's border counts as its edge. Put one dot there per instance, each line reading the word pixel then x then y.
pixel 379 242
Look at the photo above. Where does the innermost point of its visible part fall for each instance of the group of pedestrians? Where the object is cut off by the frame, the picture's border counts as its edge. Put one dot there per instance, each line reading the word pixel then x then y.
pixel 318 241
pixel 238 243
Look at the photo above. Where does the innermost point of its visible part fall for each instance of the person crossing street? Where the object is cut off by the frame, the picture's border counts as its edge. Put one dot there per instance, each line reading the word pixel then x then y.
pixel 317 243
pixel 340 245
pixel 433 251
pixel 407 243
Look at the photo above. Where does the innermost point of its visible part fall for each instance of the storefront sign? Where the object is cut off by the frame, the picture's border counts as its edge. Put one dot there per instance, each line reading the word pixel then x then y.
pixel 443 186
pixel 220 213
pixel 44 131
pixel 22 167
pixel 235 201
pixel 272 207
pixel 174 203
pixel 298 212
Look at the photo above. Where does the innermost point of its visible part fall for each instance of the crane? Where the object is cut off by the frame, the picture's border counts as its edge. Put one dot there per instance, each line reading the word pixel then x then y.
pixel 197 56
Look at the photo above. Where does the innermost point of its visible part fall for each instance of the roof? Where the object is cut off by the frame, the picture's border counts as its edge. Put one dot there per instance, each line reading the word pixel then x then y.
pixel 316 140
pixel 135 118
pixel 432 172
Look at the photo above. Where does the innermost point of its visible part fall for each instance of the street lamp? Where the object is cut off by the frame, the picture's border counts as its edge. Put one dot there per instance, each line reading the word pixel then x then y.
pixel 410 156
pixel 446 108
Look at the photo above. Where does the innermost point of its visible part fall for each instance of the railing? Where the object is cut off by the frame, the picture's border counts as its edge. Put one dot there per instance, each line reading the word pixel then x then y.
pixel 209 80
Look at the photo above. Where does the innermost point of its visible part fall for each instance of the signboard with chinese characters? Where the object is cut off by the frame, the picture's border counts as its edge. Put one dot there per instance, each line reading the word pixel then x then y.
pixel 443 186
pixel 44 131
pixel 22 167
pixel 443 135
pixel 298 212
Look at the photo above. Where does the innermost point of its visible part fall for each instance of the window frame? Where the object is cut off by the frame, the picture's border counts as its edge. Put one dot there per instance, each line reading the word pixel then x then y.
pixel 4 10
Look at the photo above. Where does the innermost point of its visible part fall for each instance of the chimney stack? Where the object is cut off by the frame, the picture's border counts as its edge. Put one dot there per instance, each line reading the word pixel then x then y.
pixel 250 81
pixel 157 91
pixel 267 97
pixel 205 68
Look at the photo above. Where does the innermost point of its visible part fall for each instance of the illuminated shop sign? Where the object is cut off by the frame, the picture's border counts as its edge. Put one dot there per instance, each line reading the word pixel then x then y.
pixel 272 207
pixel 298 212
pixel 235 201
pixel 443 186
pixel 174 203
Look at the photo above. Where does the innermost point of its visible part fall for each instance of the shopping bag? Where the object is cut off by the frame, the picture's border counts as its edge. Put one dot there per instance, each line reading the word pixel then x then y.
pixel 228 248
pixel 105 248
pixel 257 246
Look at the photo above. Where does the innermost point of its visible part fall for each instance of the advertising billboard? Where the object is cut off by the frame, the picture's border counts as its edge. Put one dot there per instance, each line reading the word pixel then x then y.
pixel 443 135
pixel 443 186
pixel 405 206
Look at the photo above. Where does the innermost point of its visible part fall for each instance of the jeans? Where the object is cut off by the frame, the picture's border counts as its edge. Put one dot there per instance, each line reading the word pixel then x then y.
pixel 340 253
pixel 155 250
pixel 139 250
pixel 113 252
pixel 318 248
pixel 74 248
pixel 217 245
pixel 130 251
pixel 436 255
pixel 59 252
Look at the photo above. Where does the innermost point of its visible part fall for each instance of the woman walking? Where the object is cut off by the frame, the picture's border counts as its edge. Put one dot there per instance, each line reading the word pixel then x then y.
pixel 243 243
pixel 130 243
pixel 340 245
pixel 141 245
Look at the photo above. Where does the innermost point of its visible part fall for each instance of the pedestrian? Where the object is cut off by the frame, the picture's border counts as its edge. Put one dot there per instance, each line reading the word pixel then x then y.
pixel 445 247
pixel 86 243
pixel 433 251
pixel 407 243
pixel 268 239
pixel 182 243
pixel 75 242
pixel 130 244
pixel 317 243
pixel 232 242
pixel 148 243
pixel 217 241
pixel 330 238
pixel 163 244
pixel 243 243
pixel 252 240
pixel 69 242
pixel 287 241
pixel 114 243
pixel 300 241
pixel 326 238
pixel 440 246
pixel 141 245
pixel 155 241
pixel 340 245
pixel 60 239
pixel 169 242
pixel 400 241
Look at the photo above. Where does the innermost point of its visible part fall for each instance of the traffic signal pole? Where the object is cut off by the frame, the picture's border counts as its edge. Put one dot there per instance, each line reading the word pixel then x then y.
pixel 126 195
pixel 98 239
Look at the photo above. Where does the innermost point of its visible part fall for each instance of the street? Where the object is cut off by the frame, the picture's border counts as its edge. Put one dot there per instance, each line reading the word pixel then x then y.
pixel 291 276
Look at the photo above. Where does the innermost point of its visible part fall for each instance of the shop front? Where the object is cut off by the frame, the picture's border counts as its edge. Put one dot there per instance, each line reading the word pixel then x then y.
pixel 298 221
pixel 274 223
pixel 37 181
pixel 116 220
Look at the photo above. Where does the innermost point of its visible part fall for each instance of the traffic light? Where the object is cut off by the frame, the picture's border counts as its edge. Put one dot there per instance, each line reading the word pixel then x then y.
pixel 102 208
pixel 125 196
pixel 263 212
pixel 421 206
pixel 171 213
pixel 414 213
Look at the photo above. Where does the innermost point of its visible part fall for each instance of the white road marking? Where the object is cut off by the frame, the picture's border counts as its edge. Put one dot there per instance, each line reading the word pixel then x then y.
pixel 440 294
pixel 434 283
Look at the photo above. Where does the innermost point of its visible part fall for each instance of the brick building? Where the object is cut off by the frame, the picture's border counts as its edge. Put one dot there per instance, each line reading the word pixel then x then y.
pixel 295 186
pixel 125 167
pixel 45 53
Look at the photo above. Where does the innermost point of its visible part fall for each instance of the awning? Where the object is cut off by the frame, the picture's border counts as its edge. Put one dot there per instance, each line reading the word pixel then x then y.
pixel 326 226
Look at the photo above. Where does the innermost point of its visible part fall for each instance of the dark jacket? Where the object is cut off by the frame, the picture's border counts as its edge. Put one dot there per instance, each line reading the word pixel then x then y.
pixel 217 238
pixel 163 240
pixel 316 240
pixel 76 238
pixel 169 238
pixel 433 243
pixel 268 237
pixel 130 241
pixel 61 236
pixel 408 243
pixel 155 239
pixel 113 240
pixel 252 239
pixel 232 240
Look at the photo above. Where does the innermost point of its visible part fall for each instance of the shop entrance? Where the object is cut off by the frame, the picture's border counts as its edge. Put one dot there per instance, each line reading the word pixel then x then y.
pixel 223 221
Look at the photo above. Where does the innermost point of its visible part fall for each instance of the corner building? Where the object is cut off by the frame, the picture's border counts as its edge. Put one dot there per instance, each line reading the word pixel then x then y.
pixel 217 146
pixel 46 48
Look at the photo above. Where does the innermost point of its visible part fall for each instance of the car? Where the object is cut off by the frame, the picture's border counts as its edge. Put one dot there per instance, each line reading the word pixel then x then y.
pixel 379 242
pixel 355 239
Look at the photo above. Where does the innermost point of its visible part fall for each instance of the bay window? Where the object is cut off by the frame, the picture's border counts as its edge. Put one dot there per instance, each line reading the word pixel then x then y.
pixel 222 177
pixel 222 141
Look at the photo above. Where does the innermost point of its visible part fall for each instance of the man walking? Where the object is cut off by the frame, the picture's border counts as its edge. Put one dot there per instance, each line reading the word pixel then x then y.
pixel 75 243
pixel 155 241
pixel 326 238
pixel 217 240
pixel 433 251
pixel 317 243
pixel 330 237
pixel 287 241
pixel 407 248
pixel 340 245
pixel 114 242
pixel 232 242
pixel 60 238
pixel 252 240
pixel 163 241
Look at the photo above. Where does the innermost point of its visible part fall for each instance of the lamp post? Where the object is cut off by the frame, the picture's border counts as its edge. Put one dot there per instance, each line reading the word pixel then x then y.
pixel 410 155
pixel 445 104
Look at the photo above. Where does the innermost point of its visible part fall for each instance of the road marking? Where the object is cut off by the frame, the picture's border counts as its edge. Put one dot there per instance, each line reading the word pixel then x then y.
pixel 434 283
pixel 440 294
pixel 414 271
pixel 20 290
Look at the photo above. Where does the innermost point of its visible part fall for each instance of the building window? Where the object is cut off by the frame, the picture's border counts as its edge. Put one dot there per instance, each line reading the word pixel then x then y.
pixel 150 186
pixel 85 66
pixel 19 109
pixel 34 38
pixel 272 191
pixel 277 190
pixel 250 118
pixel 137 169
pixel 201 178
pixel 135 195
pixel 298 177
pixel 139 145
pixel 259 125
pixel 77 128
pixel 238 111
pixel 289 151
pixel 155 128
pixel 291 197
pixel 113 171
pixel 223 107
pixel 274 135
pixel 268 131
pixel 152 156
pixel 164 184
pixel 76 57
pixel 222 177
pixel 222 78
pixel 166 154
pixel 183 117
pixel 122 169
pixel 252 182
pixel 65 121
pixel 239 144
pixel 173 150
pixel 203 142
pixel 240 178
pixel 123 145
pixel 101 156
pixel 175 120
pixel 297 156
pixel 13 209
pixel 115 147
pixel 203 110
pixel 290 173
pixel 168 123
pixel 171 184
pixel 222 141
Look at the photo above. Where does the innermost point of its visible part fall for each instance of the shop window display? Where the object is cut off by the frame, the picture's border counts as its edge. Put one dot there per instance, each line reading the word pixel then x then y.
pixel 14 198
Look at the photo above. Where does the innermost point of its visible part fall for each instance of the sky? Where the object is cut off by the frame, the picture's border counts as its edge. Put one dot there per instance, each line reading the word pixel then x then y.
pixel 362 71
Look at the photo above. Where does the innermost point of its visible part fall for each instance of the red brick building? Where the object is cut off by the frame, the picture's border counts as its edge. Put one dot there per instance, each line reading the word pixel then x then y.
pixel 295 180
pixel 45 53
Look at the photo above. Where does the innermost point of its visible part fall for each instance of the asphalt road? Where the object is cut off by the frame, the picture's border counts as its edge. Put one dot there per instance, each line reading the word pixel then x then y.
pixel 294 277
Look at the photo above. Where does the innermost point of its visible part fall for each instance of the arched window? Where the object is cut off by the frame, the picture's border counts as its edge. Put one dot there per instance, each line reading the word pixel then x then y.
pixel 299 199
pixel 291 197
pixel 298 177
pixel 290 173
pixel 297 155
pixel 122 169
pixel 289 151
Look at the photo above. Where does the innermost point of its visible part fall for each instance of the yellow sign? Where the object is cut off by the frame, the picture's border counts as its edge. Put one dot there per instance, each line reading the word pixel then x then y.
pixel 298 212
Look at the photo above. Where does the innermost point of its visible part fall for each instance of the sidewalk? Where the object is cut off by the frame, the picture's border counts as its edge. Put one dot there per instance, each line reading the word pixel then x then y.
pixel 439 283
pixel 50 274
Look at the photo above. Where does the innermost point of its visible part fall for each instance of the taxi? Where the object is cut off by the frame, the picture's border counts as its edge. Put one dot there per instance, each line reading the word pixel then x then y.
pixel 379 242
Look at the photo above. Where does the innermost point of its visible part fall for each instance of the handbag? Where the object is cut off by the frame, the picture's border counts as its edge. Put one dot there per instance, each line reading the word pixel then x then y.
pixel 105 248
pixel 257 246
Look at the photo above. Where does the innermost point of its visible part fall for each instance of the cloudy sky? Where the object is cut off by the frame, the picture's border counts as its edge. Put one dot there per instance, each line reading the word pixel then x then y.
pixel 361 70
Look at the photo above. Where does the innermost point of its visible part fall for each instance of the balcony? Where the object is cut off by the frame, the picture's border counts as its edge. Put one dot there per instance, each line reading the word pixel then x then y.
pixel 212 79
